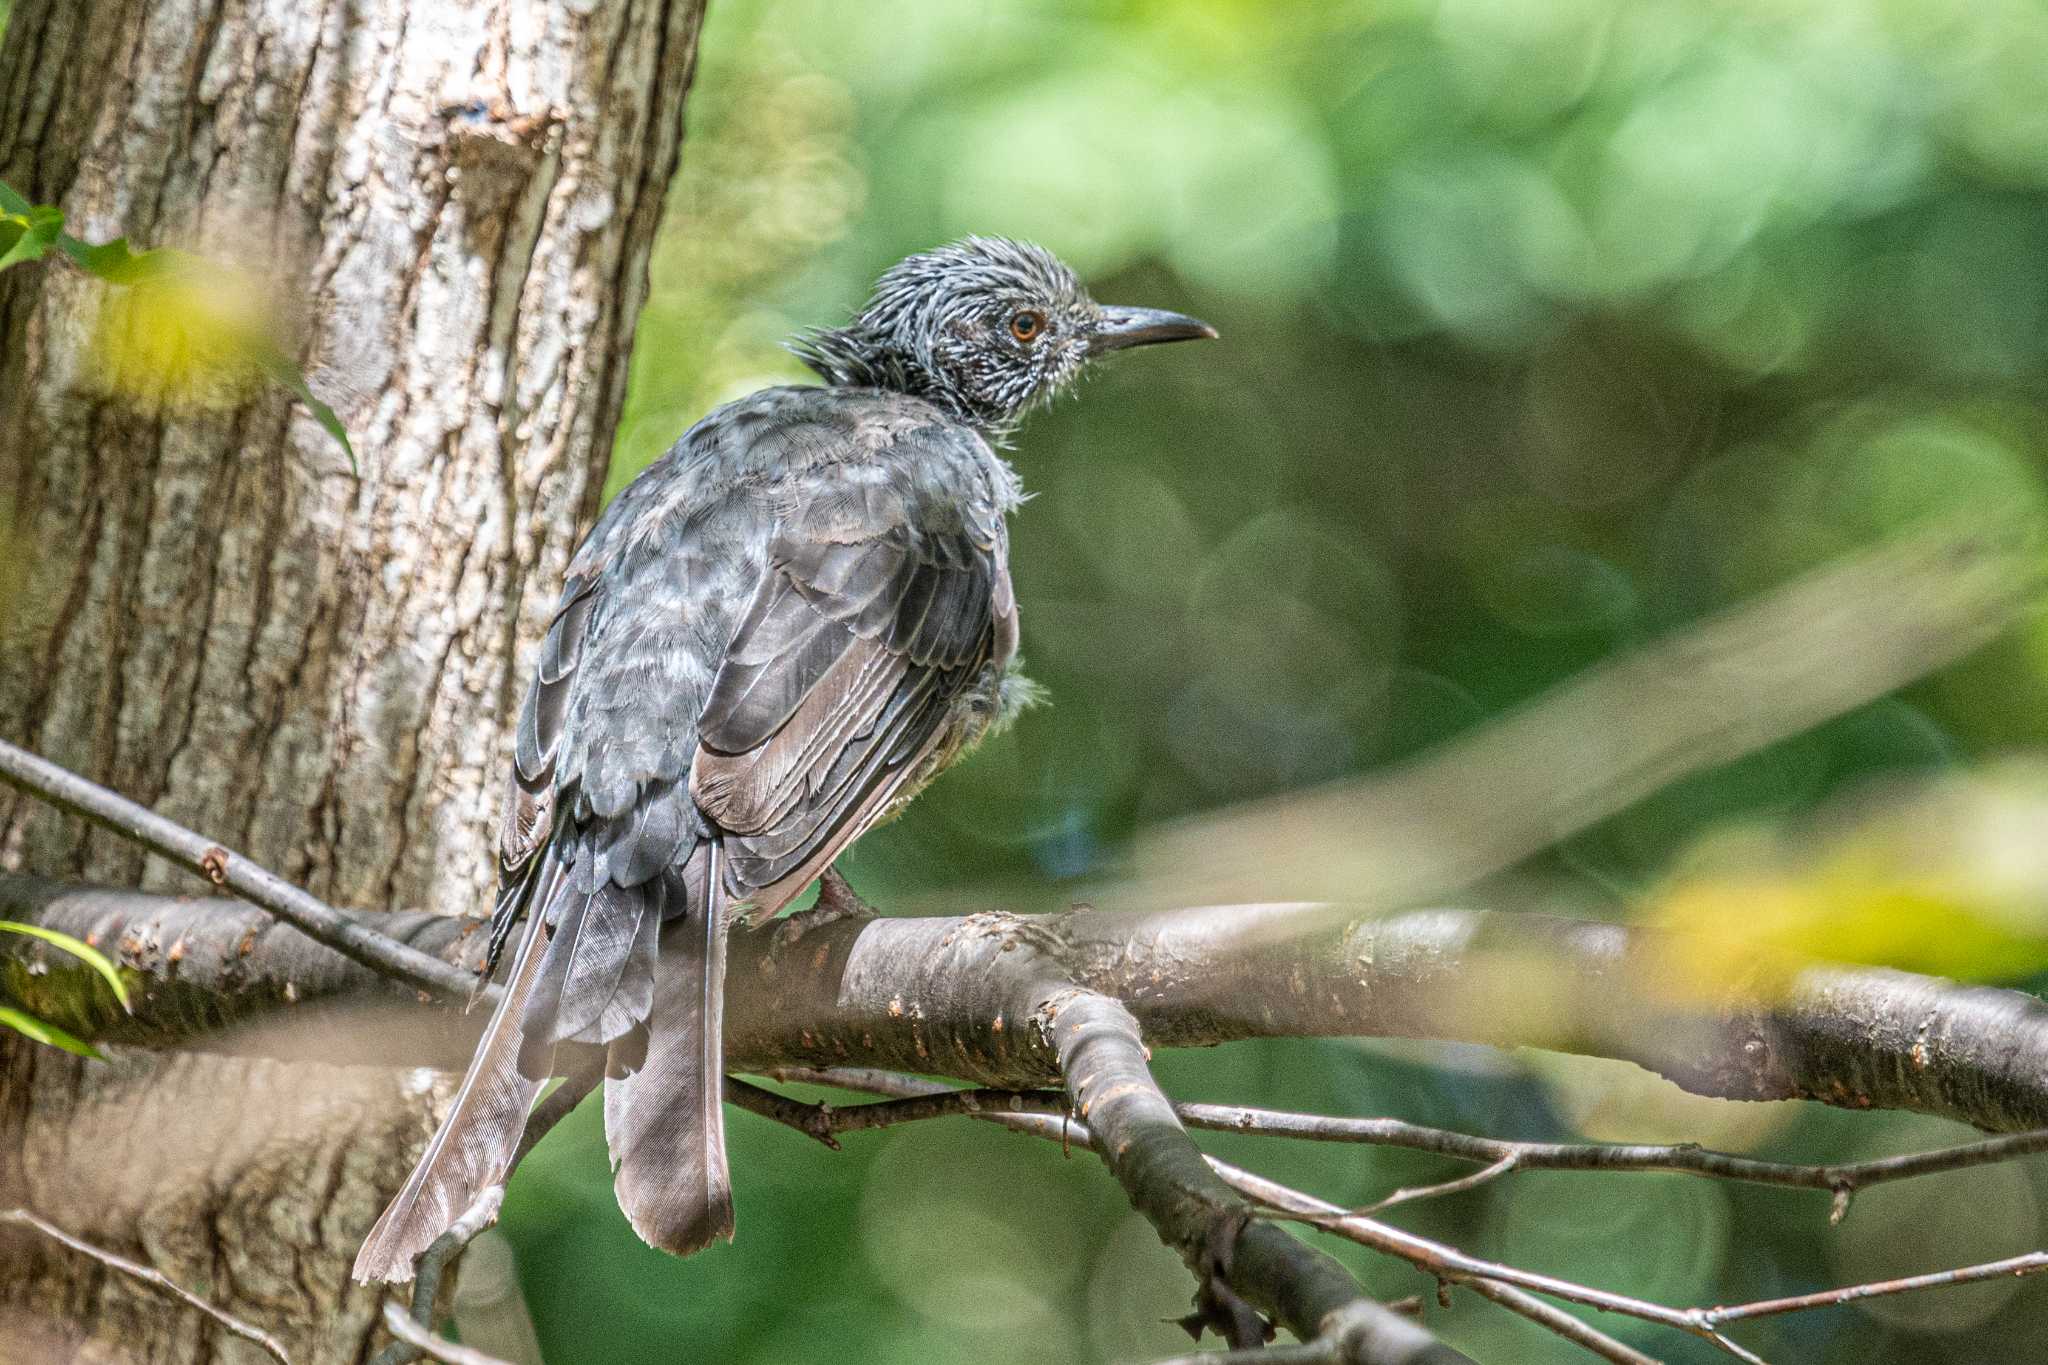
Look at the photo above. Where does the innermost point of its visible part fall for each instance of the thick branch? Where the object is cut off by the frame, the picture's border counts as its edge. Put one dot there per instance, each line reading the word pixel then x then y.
pixel 939 996
pixel 1170 1183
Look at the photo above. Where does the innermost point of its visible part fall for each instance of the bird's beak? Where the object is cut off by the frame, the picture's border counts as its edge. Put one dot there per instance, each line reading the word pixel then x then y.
pixel 1122 328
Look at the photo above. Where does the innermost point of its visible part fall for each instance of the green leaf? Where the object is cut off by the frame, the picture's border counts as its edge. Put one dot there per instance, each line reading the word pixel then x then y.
pixel 12 201
pixel 26 236
pixel 78 948
pixel 118 263
pixel 29 1026
pixel 285 371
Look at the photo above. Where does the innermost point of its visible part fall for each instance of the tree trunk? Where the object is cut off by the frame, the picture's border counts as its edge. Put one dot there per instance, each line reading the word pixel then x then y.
pixel 206 609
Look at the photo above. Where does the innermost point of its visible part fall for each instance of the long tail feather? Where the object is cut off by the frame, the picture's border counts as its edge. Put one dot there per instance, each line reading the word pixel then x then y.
pixel 474 1146
pixel 666 1121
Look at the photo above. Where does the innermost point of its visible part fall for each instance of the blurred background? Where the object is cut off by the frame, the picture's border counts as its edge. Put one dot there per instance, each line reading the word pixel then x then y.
pixel 1549 326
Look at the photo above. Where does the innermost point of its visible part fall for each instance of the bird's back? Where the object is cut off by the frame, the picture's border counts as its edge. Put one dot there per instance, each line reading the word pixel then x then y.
pixel 774 634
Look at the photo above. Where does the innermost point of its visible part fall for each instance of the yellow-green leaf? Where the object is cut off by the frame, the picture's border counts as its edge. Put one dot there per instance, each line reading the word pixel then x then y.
pixel 29 1026
pixel 190 338
pixel 27 235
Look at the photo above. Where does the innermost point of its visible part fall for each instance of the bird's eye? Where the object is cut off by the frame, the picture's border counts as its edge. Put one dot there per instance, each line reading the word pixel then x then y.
pixel 1026 324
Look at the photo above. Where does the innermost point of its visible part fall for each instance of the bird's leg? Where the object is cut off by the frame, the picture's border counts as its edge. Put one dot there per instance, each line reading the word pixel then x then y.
pixel 836 901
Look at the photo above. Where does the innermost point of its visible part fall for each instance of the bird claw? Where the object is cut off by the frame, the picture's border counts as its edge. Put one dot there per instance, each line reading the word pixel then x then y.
pixel 836 901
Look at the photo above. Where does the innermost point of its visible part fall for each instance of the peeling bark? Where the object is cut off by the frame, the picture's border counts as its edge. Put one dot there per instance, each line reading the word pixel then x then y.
pixel 205 608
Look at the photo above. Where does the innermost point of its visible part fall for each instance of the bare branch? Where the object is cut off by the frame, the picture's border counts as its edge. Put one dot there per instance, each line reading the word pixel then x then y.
pixel 426 1343
pixel 935 995
pixel 1168 1181
pixel 343 932
pixel 1059 1129
pixel 1449 1264
pixel 1503 1156
pixel 1562 1323
pixel 426 1285
pixel 2032 1263
pixel 149 1275
pixel 1410 1193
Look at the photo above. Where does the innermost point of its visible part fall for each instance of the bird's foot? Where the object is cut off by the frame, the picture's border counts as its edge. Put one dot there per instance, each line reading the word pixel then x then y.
pixel 836 901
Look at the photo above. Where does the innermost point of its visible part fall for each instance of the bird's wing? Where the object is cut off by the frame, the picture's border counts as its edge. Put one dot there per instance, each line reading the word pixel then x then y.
pixel 884 606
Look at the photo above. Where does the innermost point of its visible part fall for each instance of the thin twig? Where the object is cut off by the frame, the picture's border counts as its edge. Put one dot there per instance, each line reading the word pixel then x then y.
pixel 1447 1263
pixel 2032 1263
pixel 150 1276
pixel 1410 1193
pixel 1063 1128
pixel 426 1284
pixel 433 1264
pixel 1683 1158
pixel 559 1104
pixel 812 1120
pixel 1562 1323
pixel 427 1344
pixel 310 915
pixel 1501 1155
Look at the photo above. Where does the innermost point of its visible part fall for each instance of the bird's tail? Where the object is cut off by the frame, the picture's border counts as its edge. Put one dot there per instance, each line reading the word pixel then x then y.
pixel 474 1147
pixel 665 1121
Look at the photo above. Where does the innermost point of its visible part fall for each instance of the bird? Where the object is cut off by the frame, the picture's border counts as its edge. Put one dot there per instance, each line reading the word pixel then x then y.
pixel 768 643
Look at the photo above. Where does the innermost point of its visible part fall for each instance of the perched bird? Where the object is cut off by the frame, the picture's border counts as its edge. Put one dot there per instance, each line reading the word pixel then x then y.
pixel 770 641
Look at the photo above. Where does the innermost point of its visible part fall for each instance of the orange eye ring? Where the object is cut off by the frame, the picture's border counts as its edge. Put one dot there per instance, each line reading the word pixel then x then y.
pixel 1026 324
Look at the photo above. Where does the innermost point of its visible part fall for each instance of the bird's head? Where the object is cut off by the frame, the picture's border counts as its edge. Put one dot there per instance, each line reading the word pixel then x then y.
pixel 986 328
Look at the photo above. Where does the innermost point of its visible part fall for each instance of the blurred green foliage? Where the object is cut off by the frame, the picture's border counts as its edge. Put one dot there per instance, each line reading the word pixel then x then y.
pixel 1547 327
pixel 177 329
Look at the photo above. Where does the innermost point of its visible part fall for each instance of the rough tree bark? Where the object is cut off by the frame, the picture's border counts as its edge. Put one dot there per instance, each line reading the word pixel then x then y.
pixel 207 609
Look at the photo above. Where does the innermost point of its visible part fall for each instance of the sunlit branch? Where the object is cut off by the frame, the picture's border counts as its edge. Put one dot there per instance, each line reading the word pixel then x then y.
pixel 1761 671
pixel 894 992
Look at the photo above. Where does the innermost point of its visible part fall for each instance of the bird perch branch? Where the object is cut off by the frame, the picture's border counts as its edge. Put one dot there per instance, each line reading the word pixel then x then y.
pixel 891 993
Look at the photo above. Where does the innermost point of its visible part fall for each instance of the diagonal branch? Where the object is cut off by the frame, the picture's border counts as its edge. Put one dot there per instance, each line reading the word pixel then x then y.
pixel 1329 1346
pixel 151 1276
pixel 319 921
pixel 1762 671
pixel 1169 1181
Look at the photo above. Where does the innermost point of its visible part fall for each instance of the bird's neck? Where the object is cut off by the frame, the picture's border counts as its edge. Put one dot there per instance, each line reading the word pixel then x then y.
pixel 853 357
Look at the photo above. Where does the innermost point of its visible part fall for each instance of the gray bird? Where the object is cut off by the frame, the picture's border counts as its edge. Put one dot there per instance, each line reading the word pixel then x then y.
pixel 770 641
